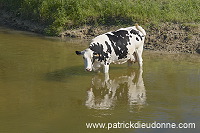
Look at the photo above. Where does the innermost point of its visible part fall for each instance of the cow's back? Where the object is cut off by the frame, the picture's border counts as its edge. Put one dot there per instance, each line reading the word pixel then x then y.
pixel 120 43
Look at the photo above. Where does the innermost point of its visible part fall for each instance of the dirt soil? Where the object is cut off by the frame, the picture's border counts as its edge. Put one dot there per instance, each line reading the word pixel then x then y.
pixel 170 37
pixel 174 38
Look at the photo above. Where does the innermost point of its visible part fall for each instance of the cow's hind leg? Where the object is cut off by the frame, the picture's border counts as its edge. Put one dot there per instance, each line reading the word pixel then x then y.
pixel 139 56
pixel 133 59
pixel 130 63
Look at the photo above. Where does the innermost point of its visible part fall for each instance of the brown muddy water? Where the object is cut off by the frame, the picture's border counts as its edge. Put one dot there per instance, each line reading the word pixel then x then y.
pixel 44 89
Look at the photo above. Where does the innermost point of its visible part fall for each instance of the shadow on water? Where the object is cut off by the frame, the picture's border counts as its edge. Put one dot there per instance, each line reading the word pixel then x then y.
pixel 66 73
pixel 107 91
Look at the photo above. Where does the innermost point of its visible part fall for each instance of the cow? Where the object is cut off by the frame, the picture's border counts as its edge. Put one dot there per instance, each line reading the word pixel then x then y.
pixel 118 47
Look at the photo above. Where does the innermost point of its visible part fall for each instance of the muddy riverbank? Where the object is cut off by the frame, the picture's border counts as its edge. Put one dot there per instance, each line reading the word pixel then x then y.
pixel 165 37
pixel 170 37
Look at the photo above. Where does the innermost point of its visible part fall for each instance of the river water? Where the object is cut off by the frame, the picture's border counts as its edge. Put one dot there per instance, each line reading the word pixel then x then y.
pixel 44 89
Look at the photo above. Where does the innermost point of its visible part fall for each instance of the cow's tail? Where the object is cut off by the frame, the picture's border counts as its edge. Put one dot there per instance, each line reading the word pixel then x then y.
pixel 140 29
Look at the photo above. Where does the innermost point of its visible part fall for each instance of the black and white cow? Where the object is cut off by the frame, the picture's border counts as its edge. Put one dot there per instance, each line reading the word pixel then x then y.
pixel 120 46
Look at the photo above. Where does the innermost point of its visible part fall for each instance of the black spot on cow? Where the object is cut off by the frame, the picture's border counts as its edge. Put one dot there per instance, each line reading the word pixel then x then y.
pixel 136 33
pixel 98 50
pixel 137 38
pixel 108 47
pixel 119 41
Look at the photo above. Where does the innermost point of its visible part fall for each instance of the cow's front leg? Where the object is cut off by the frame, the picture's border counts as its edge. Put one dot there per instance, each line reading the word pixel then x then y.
pixel 106 64
pixel 106 68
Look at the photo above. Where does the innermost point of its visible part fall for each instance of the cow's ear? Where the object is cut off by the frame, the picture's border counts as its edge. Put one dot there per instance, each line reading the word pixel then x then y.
pixel 78 52
pixel 96 54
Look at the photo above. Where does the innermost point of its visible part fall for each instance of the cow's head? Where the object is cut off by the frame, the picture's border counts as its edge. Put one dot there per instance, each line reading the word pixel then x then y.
pixel 89 57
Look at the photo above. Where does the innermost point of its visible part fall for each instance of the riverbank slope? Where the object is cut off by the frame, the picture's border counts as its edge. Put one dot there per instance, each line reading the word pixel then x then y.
pixel 163 37
pixel 171 26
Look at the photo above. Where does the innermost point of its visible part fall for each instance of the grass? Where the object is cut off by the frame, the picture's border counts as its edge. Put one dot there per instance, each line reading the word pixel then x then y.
pixel 60 15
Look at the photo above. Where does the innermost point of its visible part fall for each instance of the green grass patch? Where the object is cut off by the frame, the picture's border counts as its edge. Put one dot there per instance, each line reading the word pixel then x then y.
pixel 60 15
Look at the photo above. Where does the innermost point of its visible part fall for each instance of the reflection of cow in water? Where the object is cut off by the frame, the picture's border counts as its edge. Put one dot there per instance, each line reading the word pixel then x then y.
pixel 105 92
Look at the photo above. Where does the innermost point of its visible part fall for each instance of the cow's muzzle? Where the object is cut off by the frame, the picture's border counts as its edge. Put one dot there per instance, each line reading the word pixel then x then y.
pixel 88 69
